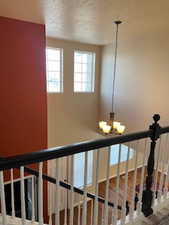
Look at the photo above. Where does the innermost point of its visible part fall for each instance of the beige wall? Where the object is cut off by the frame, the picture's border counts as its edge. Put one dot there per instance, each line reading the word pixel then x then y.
pixel 142 80
pixel 73 117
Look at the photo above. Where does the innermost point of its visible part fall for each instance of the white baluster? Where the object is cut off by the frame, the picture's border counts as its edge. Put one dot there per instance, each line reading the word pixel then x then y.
pixel 66 195
pixel 72 190
pixel 163 163
pixel 102 213
pixel 156 170
pixel 105 222
pixel 84 213
pixel 50 219
pixel 95 219
pixel 50 191
pixel 12 195
pixel 2 195
pixel 91 212
pixel 33 199
pixel 125 188
pixel 65 206
pixel 40 194
pixel 167 168
pixel 134 184
pixel 79 210
pixel 166 182
pixel 23 214
pixel 57 193
pixel 163 182
pixel 142 179
pixel 117 187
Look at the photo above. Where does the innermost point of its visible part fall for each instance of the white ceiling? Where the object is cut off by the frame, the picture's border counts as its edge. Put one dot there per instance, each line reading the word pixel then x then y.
pixel 90 21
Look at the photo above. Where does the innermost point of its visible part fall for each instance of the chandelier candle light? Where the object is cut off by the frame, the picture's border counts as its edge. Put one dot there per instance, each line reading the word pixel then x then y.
pixel 113 126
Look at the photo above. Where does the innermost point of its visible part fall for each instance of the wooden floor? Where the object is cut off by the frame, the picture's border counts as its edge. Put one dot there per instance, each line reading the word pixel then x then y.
pixel 102 187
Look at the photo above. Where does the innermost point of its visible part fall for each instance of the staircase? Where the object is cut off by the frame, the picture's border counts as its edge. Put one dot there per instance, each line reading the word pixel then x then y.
pixel 138 194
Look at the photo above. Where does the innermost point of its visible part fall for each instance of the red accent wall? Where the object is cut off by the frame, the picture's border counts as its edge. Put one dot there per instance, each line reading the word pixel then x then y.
pixel 23 100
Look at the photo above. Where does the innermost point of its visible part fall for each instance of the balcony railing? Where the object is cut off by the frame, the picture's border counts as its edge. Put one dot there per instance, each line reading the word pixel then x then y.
pixel 130 188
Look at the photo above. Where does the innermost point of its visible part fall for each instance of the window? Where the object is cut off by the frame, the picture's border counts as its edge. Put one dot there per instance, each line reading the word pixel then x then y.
pixel 54 65
pixel 84 71
pixel 79 164
pixel 114 154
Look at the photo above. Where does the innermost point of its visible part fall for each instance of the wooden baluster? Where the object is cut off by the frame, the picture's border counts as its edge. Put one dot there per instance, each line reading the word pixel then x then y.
pixel 148 193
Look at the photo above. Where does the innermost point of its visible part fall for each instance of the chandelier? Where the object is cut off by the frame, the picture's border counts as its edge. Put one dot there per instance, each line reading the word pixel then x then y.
pixel 112 126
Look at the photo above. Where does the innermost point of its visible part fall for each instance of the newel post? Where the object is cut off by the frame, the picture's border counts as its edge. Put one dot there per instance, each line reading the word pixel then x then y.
pixel 147 198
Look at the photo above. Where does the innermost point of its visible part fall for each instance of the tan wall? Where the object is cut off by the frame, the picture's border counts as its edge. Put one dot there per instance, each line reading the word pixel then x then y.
pixel 72 117
pixel 142 80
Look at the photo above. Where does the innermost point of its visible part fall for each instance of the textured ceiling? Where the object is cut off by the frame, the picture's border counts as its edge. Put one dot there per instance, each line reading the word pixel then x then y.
pixel 90 21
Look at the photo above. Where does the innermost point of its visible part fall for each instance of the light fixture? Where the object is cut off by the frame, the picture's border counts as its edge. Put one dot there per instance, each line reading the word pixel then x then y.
pixel 113 126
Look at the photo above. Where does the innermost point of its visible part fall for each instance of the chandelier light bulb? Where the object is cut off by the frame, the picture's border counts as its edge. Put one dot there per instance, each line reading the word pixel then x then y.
pixel 106 129
pixel 116 125
pixel 121 129
pixel 102 124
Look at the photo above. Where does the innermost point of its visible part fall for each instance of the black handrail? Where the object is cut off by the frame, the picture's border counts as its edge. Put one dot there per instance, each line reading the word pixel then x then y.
pixel 62 151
